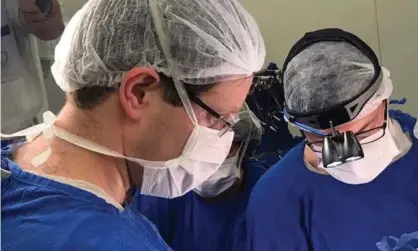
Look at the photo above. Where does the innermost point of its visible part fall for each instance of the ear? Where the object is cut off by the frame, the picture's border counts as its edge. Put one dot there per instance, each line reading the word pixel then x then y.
pixel 133 88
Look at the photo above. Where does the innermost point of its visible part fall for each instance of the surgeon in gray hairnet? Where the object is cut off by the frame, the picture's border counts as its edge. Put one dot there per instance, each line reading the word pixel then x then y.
pixel 352 184
pixel 154 89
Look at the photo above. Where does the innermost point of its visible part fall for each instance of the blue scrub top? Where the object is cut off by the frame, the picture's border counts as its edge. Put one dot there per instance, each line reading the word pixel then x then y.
pixel 295 209
pixel 42 214
pixel 189 223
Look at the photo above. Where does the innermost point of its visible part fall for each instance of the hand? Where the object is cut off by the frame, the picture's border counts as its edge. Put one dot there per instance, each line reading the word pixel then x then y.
pixel 28 6
pixel 42 18
pixel 43 6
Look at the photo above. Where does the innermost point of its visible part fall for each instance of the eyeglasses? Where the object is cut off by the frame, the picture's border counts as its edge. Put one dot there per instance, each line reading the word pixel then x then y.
pixel 227 125
pixel 364 137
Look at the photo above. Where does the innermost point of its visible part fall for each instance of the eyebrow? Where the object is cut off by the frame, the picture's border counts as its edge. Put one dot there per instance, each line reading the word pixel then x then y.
pixel 232 110
pixel 213 110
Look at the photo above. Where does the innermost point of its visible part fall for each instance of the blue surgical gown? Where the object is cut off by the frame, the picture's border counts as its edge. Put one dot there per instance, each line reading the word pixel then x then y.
pixel 42 214
pixel 189 223
pixel 294 209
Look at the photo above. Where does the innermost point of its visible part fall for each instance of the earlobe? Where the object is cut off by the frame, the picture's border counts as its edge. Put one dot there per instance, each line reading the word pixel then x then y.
pixel 134 86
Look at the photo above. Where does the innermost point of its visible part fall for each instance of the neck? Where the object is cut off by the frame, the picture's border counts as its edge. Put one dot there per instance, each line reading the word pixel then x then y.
pixel 73 162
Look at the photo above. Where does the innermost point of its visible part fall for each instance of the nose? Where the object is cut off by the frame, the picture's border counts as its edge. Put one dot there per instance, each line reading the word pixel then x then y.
pixel 225 122
pixel 219 125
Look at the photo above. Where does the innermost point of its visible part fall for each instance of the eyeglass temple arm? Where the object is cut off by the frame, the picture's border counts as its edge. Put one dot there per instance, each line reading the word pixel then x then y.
pixel 212 112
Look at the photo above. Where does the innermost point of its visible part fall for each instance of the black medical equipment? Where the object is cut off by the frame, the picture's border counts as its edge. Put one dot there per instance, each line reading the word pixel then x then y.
pixel 266 97
pixel 339 148
pixel 265 100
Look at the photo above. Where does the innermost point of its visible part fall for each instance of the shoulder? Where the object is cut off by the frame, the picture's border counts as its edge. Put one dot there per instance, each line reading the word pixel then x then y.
pixel 81 228
pixel 253 170
pixel 285 173
pixel 72 218
pixel 128 230
pixel 407 121
pixel 277 203
pixel 112 232
pixel 283 187
pixel 138 233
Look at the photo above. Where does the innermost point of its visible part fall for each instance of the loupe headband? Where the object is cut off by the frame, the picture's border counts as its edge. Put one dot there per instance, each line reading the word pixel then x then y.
pixel 347 110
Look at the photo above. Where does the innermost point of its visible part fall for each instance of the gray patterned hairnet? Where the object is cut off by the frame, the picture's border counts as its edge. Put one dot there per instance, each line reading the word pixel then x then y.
pixel 248 127
pixel 324 75
pixel 198 42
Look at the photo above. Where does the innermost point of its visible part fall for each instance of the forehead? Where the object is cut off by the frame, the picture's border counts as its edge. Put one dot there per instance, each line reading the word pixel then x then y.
pixel 228 97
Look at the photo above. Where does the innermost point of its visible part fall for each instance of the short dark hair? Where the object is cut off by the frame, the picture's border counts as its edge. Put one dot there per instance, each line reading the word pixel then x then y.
pixel 89 97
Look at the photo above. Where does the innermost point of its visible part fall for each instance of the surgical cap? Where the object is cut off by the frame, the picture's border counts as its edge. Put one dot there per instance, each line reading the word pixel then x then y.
pixel 196 42
pixel 324 75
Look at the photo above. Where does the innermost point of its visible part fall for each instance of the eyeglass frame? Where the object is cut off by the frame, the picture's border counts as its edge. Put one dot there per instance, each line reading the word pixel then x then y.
pixel 383 127
pixel 228 125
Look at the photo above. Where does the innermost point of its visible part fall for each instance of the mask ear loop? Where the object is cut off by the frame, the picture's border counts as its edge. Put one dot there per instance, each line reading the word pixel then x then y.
pixel 181 90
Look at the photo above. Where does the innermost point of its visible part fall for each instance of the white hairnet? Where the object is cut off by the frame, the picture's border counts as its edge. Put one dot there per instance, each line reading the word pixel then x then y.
pixel 383 93
pixel 196 42
pixel 324 75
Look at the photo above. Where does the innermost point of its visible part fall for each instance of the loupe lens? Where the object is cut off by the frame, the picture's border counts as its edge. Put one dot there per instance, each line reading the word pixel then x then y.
pixel 334 164
pixel 352 158
pixel 331 152
pixel 352 149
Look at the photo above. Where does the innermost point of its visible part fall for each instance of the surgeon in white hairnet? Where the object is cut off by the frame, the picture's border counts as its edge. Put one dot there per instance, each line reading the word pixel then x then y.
pixel 154 90
pixel 352 185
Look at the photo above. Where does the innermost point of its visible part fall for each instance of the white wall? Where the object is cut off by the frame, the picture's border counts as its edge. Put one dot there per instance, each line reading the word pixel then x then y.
pixel 398 32
pixel 283 22
pixel 71 6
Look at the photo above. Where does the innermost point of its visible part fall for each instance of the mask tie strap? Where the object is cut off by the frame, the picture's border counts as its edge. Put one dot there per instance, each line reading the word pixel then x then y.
pixel 48 133
pixel 34 131
pixel 94 147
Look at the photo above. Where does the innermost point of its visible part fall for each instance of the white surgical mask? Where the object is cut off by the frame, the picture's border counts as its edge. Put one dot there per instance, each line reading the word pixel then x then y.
pixel 220 181
pixel 201 158
pixel 377 156
pixel 231 170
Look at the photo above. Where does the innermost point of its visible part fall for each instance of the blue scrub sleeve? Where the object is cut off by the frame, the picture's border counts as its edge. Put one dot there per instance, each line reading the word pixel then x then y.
pixel 274 222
